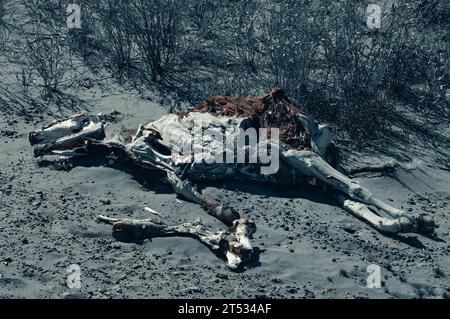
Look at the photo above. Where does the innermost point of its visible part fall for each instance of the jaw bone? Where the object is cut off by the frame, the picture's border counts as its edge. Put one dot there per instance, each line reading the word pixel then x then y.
pixel 93 130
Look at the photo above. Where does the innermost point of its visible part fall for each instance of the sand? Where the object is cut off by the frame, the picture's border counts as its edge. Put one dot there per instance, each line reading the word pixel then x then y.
pixel 305 246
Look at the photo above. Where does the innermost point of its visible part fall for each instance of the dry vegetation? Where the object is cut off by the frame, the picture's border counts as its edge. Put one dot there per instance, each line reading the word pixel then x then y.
pixel 3 28
pixel 321 52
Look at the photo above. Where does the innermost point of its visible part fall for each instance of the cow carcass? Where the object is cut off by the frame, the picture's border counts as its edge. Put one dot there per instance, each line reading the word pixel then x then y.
pixel 263 139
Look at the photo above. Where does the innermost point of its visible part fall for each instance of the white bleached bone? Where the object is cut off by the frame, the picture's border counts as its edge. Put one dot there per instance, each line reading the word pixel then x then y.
pixel 225 213
pixel 387 225
pixel 185 189
pixel 233 249
pixel 152 211
pixel 72 141
pixel 244 229
pixel 313 165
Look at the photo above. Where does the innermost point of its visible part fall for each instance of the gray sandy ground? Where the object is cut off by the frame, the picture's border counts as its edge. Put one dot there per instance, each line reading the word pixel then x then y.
pixel 307 247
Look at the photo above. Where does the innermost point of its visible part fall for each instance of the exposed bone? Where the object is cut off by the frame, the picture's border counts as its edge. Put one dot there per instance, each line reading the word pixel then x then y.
pixel 152 211
pixel 386 166
pixel 399 225
pixel 320 134
pixel 185 189
pixel 236 252
pixel 64 154
pixel 139 132
pixel 142 149
pixel 404 224
pixel 313 165
pixel 224 213
pixel 71 141
pixel 244 228
pixel 64 127
pixel 118 150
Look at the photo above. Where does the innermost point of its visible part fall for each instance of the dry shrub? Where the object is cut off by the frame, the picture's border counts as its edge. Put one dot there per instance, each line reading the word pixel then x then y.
pixel 321 52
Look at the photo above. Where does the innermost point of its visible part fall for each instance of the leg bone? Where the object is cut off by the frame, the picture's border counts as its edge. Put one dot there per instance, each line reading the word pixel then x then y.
pixel 313 165
pixel 387 225
pixel 224 213
pixel 236 251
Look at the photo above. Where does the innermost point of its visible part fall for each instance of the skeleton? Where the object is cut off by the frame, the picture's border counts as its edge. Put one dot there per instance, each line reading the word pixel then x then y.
pixel 304 147
pixel 235 251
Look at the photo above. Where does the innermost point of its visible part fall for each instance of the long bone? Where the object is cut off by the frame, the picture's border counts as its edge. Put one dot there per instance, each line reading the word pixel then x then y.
pixel 236 249
pixel 313 165
pixel 393 226
pixel 422 224
pixel 184 188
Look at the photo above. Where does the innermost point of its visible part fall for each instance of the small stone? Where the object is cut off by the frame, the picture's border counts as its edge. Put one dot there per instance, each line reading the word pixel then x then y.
pixel 222 276
pixel 349 228
pixel 105 201
pixel 276 281
pixel 36 204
